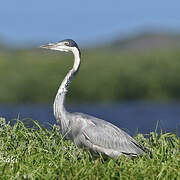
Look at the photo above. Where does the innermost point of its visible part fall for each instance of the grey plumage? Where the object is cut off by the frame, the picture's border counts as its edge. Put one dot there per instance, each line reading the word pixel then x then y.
pixel 97 135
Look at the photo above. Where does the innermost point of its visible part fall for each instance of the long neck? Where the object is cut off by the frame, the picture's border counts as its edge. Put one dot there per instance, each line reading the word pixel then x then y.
pixel 59 109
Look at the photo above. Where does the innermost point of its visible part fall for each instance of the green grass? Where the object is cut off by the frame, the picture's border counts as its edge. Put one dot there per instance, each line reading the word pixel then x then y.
pixel 38 153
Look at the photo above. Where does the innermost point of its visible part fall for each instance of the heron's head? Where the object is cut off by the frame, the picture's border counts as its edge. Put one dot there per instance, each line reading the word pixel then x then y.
pixel 64 45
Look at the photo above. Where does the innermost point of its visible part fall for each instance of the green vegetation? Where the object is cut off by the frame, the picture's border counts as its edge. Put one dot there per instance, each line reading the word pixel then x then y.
pixel 33 76
pixel 36 153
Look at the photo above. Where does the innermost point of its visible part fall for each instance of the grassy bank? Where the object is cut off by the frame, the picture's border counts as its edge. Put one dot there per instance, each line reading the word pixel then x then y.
pixel 31 76
pixel 36 153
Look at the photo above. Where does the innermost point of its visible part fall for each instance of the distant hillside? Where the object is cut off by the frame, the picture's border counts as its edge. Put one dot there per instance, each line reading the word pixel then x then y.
pixel 148 41
pixel 33 75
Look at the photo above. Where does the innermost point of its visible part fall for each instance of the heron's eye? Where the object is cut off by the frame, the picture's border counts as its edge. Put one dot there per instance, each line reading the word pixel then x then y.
pixel 66 43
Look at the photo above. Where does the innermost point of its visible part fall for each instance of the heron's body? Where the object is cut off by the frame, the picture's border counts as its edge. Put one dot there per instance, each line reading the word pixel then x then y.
pixel 95 134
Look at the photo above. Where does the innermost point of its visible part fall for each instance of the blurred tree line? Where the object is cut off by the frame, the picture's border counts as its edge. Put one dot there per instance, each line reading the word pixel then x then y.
pixel 106 75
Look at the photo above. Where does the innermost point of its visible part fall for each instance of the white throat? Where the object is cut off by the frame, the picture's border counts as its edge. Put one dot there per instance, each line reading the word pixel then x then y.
pixel 59 109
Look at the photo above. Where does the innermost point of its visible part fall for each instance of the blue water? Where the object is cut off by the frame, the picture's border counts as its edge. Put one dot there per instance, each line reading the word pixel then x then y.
pixel 128 116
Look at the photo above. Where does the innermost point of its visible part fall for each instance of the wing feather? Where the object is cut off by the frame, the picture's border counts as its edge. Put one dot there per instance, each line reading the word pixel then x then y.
pixel 101 136
pixel 110 142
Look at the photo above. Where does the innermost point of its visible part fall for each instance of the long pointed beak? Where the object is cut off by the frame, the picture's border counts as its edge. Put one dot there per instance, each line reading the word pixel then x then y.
pixel 55 46
pixel 47 46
